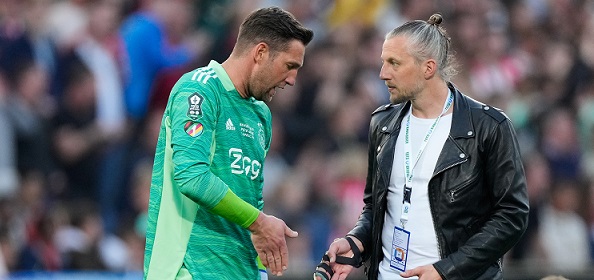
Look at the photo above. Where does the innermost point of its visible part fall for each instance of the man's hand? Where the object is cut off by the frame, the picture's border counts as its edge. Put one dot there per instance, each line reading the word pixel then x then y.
pixel 341 247
pixel 268 237
pixel 426 272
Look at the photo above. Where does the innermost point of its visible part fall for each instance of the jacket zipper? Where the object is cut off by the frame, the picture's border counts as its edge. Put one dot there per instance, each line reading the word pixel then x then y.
pixel 457 190
pixel 439 238
pixel 448 167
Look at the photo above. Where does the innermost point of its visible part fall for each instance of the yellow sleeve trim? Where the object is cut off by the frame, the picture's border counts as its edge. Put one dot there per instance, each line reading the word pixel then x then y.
pixel 236 210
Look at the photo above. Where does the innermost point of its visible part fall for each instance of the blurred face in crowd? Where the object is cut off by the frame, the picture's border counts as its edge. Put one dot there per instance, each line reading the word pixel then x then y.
pixel 402 74
pixel 104 18
pixel 177 16
pixel 33 84
pixel 275 70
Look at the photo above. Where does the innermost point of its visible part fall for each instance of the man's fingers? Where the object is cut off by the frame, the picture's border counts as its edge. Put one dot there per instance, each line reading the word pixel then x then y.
pixel 278 263
pixel 290 233
pixel 410 272
pixel 263 258
pixel 269 238
pixel 275 260
pixel 272 263
pixel 331 256
pixel 336 276
pixel 285 257
pixel 334 250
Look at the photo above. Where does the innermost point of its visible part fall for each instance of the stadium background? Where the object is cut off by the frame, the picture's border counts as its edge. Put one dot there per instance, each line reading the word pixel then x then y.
pixel 76 148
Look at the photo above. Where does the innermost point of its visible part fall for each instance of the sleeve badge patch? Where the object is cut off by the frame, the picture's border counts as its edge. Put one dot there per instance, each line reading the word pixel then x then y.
pixel 195 106
pixel 193 129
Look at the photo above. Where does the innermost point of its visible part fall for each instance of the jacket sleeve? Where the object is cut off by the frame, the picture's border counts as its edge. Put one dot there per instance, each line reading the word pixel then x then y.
pixel 506 183
pixel 363 227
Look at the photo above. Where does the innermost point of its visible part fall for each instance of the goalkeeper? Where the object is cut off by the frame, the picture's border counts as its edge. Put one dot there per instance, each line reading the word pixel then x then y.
pixel 204 218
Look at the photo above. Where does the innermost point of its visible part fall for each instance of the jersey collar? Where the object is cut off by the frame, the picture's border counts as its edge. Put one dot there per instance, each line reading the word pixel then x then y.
pixel 222 74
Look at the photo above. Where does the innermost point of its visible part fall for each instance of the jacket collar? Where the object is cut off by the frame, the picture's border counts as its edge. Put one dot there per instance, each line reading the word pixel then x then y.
pixel 451 154
pixel 461 123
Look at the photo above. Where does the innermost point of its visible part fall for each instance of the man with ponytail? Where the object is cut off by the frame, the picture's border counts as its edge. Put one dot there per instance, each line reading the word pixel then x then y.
pixel 445 196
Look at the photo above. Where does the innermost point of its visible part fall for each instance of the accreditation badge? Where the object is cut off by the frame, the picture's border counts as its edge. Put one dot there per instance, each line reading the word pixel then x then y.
pixel 400 243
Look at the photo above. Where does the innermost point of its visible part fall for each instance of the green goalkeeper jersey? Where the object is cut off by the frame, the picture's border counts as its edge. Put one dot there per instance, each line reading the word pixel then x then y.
pixel 212 141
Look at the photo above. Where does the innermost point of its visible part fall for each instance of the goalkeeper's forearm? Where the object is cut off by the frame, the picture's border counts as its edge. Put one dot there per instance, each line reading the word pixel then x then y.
pixel 236 210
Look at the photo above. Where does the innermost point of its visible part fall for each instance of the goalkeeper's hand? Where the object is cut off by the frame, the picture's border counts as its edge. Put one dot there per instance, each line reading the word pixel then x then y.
pixel 269 238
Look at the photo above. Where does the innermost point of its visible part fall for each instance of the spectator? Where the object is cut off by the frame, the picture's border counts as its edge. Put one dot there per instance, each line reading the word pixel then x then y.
pixel 84 243
pixel 560 144
pixel 563 233
pixel 41 252
pixel 100 50
pixel 152 42
pixel 538 183
pixel 30 108
pixel 8 164
pixel 77 140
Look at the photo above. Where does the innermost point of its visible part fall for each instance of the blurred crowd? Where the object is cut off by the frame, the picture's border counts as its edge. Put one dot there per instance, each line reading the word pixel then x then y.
pixel 83 85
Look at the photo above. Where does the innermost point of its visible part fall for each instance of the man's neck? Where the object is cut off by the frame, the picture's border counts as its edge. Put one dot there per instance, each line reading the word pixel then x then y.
pixel 237 70
pixel 430 103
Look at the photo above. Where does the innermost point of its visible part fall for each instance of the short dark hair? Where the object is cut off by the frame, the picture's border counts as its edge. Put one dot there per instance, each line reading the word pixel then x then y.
pixel 273 26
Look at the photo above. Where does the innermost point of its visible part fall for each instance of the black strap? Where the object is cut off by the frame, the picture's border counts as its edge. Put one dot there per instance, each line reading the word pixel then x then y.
pixel 324 270
pixel 356 260
pixel 327 272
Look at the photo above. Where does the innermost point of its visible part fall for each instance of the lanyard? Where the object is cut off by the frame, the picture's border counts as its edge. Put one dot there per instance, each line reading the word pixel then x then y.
pixel 408 169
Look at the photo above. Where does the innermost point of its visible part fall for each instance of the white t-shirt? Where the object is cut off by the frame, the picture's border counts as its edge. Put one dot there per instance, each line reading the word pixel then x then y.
pixel 423 248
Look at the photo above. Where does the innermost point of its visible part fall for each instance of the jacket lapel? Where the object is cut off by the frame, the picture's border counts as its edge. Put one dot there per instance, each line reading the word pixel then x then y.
pixel 451 153
pixel 388 134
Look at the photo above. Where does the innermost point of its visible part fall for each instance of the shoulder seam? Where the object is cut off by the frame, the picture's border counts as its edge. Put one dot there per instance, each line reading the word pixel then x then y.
pixel 203 75
pixel 494 113
pixel 382 108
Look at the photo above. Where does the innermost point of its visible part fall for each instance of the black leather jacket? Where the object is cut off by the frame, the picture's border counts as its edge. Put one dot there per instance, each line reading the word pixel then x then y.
pixel 477 193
